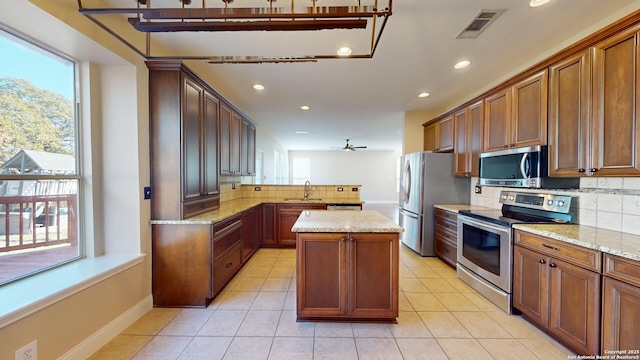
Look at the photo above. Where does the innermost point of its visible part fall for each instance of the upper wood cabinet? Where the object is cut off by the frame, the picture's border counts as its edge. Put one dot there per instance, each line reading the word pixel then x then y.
pixel 183 142
pixel 594 110
pixel 248 148
pixel 517 116
pixel 616 107
pixel 237 143
pixel 468 125
pixel 569 114
pixel 438 136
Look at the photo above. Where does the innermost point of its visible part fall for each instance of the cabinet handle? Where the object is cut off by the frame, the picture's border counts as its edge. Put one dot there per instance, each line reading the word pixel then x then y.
pixel 351 239
pixel 552 265
pixel 342 240
pixel 505 146
pixel 512 145
pixel 581 170
pixel 445 250
pixel 229 265
pixel 550 247
pixel 543 261
pixel 593 170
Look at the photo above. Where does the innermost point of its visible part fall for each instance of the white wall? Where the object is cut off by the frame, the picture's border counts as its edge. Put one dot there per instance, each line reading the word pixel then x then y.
pixel 267 144
pixel 376 171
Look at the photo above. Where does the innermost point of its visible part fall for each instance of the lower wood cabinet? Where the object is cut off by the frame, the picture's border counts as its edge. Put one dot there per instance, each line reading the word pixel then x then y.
pixel 550 289
pixel 446 238
pixel 251 231
pixel 193 262
pixel 342 276
pixel 620 304
pixel 287 215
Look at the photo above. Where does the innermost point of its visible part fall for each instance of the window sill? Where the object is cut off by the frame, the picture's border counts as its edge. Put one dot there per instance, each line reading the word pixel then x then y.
pixel 22 298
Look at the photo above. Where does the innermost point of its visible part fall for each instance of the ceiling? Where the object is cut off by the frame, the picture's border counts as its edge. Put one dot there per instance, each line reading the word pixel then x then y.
pixel 365 99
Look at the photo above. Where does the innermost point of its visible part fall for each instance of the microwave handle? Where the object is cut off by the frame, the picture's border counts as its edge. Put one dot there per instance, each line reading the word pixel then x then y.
pixel 525 166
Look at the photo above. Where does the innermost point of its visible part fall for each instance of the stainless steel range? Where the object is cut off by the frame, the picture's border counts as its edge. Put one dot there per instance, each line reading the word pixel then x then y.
pixel 485 239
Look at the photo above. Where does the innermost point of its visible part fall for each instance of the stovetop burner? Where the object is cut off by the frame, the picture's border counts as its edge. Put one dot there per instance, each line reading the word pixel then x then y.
pixel 530 208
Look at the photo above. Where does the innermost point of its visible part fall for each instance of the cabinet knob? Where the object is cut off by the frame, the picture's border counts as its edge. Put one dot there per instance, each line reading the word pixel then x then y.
pixel 593 170
pixel 229 265
pixel 505 146
pixel 581 170
pixel 543 261
pixel 342 240
pixel 552 265
pixel 512 145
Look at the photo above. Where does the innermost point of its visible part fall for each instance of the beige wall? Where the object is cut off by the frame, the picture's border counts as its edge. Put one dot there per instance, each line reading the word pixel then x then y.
pixel 413 131
pixel 116 163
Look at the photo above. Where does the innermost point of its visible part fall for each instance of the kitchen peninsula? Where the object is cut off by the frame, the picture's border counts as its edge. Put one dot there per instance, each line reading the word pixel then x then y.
pixel 347 266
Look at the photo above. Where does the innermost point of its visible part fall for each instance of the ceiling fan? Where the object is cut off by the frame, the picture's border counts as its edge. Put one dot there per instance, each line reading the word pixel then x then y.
pixel 349 147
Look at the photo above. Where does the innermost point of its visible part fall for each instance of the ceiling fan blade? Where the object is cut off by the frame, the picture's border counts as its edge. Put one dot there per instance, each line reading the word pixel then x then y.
pixel 358 147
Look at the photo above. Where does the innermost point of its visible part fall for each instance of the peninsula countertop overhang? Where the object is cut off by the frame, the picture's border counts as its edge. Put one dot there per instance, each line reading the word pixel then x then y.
pixel 349 221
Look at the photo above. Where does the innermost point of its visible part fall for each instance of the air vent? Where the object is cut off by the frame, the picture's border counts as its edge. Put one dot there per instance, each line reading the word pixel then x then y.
pixel 479 23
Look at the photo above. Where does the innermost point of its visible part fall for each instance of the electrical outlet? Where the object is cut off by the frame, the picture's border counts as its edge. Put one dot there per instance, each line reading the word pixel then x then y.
pixel 233 186
pixel 28 352
pixel 257 188
pixel 478 189
pixel 354 189
pixel 340 189
pixel 147 192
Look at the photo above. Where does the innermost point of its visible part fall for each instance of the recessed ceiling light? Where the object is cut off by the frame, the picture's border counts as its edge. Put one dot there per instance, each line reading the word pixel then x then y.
pixel 423 94
pixel 305 107
pixel 462 64
pixel 536 3
pixel 302 132
pixel 344 51
pixel 258 86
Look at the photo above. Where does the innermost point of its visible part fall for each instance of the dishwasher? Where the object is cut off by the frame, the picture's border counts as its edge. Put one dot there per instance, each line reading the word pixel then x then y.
pixel 344 207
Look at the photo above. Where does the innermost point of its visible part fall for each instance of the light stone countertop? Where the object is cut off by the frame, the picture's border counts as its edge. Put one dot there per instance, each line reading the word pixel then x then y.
pixel 456 208
pixel 234 207
pixel 351 221
pixel 611 242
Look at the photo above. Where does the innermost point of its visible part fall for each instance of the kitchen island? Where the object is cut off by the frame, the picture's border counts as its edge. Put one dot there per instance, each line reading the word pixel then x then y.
pixel 347 266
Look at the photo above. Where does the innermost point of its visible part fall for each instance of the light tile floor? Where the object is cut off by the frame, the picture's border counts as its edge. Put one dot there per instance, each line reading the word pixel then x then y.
pixel 254 318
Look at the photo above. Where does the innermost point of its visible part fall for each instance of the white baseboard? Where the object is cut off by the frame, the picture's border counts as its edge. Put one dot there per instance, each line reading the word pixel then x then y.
pixel 101 337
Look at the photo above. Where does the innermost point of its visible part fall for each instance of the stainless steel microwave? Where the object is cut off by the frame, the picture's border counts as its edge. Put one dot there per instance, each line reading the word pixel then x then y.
pixel 522 168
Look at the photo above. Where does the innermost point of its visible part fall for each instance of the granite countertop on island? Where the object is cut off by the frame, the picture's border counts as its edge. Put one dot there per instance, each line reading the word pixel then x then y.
pixel 608 241
pixel 234 207
pixel 354 221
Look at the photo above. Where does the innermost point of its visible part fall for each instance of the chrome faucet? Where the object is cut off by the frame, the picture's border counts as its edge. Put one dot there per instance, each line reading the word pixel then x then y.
pixel 307 189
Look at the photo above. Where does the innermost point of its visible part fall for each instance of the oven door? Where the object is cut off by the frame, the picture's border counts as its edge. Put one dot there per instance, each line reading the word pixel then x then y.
pixel 485 249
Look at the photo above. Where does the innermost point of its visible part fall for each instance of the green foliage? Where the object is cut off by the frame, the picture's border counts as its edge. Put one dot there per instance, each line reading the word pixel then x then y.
pixel 34 119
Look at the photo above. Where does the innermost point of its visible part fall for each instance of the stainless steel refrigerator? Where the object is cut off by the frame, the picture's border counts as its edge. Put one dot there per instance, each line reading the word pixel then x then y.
pixel 426 179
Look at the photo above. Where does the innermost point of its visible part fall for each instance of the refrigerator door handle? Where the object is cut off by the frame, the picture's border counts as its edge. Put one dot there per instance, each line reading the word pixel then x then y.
pixel 407 181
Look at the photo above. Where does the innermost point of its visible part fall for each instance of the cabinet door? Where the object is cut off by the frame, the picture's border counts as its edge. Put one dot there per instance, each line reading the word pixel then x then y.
pixel 210 160
pixel 529 121
pixel 251 150
pixel 574 312
pixel 569 116
pixel 286 219
pixel 445 135
pixel 225 139
pixel 497 121
pixel 269 224
pixel 460 162
pixel 244 147
pixel 430 136
pixel 321 274
pixel 192 138
pixel 620 315
pixel 531 284
pixel 475 125
pixel 615 149
pixel 235 143
pixel 249 235
pixel 373 275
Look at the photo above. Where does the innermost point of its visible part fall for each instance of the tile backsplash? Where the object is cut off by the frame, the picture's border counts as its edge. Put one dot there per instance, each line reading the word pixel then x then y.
pixel 608 203
pixel 325 192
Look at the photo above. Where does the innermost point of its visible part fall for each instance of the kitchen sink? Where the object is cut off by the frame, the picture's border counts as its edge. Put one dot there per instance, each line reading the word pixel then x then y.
pixel 303 200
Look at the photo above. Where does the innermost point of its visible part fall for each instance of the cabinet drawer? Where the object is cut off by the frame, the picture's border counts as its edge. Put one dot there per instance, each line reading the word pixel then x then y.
pixel 450 237
pixel 225 267
pixel 447 216
pixel 226 237
pixel 446 251
pixel 298 207
pixel 574 254
pixel 623 269
pixel 199 207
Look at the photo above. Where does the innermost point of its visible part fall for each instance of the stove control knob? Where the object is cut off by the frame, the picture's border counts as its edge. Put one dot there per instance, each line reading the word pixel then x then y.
pixel 511 197
pixel 549 202
pixel 504 197
pixel 560 203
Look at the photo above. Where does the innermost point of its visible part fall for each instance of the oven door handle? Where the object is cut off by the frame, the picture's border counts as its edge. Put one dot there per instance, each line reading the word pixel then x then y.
pixel 482 225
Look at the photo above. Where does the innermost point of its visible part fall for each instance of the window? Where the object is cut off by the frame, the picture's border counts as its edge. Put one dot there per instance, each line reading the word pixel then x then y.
pixel 281 168
pixel 301 170
pixel 39 172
